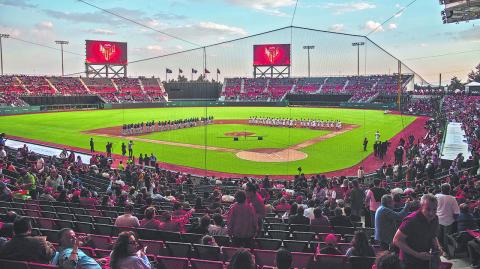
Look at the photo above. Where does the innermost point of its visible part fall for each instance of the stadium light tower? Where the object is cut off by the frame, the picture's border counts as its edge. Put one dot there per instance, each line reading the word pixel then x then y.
pixel 358 44
pixel 61 42
pixel 308 48
pixel 1 49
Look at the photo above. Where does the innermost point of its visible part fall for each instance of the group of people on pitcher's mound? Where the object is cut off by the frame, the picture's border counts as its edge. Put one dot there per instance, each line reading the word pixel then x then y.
pixel 160 126
pixel 296 123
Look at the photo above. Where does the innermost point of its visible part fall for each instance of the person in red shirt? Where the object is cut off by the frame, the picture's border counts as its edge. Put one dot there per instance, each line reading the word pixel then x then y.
pixel 242 221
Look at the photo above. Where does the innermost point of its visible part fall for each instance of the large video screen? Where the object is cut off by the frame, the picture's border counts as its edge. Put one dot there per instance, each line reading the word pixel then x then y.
pixel 272 54
pixel 106 52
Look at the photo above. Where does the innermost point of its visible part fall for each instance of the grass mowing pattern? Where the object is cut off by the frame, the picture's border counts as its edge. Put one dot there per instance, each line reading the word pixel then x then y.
pixel 336 153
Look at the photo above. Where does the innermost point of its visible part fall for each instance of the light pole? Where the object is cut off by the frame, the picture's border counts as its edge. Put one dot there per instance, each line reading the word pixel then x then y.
pixel 61 42
pixel 1 49
pixel 308 48
pixel 358 44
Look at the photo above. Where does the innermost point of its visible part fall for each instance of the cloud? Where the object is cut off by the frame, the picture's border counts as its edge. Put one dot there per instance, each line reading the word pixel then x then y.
pixel 337 27
pixel 270 7
pixel 372 25
pixel 222 28
pixel 341 8
pixel 155 48
pixel 392 26
pixel 14 32
pixel 44 25
pixel 472 34
pixel 169 16
pixel 17 3
pixel 99 31
pixel 423 45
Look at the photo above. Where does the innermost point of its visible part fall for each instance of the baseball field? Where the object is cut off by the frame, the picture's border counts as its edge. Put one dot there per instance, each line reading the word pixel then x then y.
pixel 212 147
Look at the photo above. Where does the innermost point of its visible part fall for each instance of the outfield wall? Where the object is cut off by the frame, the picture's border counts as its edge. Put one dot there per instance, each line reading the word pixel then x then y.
pixel 197 104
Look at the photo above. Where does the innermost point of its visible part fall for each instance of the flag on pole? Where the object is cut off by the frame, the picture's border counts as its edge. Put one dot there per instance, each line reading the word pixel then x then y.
pixel 218 71
pixel 194 71
pixel 168 71
pixel 206 71
pixel 180 71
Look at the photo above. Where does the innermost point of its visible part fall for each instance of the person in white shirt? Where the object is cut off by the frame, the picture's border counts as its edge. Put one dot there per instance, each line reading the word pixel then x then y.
pixel 447 212
pixel 377 136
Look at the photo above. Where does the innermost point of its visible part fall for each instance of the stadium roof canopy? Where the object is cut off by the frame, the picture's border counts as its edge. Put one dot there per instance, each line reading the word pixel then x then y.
pixel 460 10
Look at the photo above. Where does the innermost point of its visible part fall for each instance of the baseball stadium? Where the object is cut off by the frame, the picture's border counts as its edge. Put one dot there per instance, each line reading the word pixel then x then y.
pixel 294 147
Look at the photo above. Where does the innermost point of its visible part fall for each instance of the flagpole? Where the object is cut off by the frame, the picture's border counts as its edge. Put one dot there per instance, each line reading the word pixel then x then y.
pixel 191 75
pixel 217 75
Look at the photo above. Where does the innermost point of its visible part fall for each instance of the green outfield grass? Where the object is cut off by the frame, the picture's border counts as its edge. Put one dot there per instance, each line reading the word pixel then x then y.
pixel 332 154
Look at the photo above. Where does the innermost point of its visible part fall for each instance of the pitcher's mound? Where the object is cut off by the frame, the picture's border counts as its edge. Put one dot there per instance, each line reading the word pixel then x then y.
pixel 239 134
pixel 272 155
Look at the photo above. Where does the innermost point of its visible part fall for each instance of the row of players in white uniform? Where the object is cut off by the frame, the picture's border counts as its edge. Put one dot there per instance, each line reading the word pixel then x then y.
pixel 302 123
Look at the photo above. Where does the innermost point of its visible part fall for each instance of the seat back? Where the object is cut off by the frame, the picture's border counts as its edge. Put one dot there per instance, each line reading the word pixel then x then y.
pixel 302 260
pixel 206 264
pixel 172 262
pixel 295 246
pixel 101 241
pixel 264 257
pixel 361 262
pixel 34 265
pixel 177 249
pixel 271 244
pixel 154 247
pixel 207 252
pixel 330 261
pixel 13 264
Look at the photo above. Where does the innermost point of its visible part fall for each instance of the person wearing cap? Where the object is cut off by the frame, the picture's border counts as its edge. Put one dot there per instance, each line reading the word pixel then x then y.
pixel 331 246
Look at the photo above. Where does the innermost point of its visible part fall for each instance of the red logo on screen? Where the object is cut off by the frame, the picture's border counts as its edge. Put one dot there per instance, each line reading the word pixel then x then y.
pixel 272 53
pixel 107 50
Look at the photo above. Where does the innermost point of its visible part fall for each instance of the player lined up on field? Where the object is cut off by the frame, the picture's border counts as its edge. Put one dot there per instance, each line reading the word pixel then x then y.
pixel 160 126
pixel 297 123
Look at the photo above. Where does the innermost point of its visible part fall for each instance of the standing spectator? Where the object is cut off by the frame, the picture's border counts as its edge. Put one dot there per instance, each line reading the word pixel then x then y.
pixel 130 149
pixel 388 260
pixel 447 212
pixel 360 246
pixel 127 254
pixel 373 199
pixel 386 221
pixel 417 235
pixel 473 247
pixel 242 222
pixel 365 144
pixel 69 255
pixel 283 259
pixel 127 219
pixel 254 198
pixel 24 247
pixel 356 197
pixel 92 145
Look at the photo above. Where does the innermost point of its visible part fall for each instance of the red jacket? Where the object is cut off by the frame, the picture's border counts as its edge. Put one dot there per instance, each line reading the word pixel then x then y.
pixel 242 221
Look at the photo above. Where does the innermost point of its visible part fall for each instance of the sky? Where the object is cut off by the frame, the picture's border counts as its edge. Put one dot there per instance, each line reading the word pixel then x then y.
pixel 415 36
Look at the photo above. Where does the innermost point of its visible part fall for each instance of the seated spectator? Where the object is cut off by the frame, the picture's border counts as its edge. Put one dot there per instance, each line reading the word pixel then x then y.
pixel 47 195
pixel 202 227
pixel 178 210
pixel 5 192
pixel 127 219
pixel 299 218
pixel 199 207
pixel 283 259
pixel 24 247
pixel 360 246
pixel 218 226
pixel 320 219
pixel 6 229
pixel 339 219
pixel 291 212
pixel 465 219
pixel 331 247
pixel 208 240
pixel 309 210
pixel 127 253
pixel 149 222
pixel 388 260
pixel 69 255
pixel 348 213
pixel 242 259
pixel 282 205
